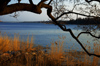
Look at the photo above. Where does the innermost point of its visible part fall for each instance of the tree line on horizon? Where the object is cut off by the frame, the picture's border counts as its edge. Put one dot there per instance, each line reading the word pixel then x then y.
pixel 79 21
pixel 84 21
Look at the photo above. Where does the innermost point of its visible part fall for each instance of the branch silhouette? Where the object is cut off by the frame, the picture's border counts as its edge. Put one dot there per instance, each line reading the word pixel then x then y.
pixel 69 12
pixel 49 10
pixel 7 9
pixel 31 2
pixel 88 33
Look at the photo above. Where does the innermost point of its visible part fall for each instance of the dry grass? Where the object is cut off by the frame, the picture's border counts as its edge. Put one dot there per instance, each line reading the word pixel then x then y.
pixel 14 44
pixel 54 57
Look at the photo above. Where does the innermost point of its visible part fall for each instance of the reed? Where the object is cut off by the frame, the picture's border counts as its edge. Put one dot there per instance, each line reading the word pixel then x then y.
pixel 55 56
pixel 14 44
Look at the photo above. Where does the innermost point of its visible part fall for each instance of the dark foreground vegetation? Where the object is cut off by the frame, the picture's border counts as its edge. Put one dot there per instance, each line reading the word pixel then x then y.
pixel 14 52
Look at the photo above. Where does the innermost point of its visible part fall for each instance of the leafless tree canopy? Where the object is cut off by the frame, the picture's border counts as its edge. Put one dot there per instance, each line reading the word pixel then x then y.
pixel 57 9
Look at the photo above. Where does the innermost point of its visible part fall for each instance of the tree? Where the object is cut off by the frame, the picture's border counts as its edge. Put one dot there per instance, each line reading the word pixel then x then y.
pixel 6 8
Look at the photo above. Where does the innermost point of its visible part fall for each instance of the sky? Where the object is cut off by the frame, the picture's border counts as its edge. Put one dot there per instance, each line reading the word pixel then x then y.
pixel 24 15
pixel 28 16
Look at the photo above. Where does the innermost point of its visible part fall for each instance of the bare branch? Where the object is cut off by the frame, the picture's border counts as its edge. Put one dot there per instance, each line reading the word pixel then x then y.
pixel 50 2
pixel 21 7
pixel 24 7
pixel 73 13
pixel 41 3
pixel 37 9
pixel 49 10
pixel 19 1
pixel 31 2
pixel 88 33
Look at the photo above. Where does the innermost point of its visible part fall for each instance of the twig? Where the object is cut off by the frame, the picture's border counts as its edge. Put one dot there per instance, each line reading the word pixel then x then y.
pixel 88 33
pixel 73 13
pixel 49 10
pixel 31 2
pixel 50 2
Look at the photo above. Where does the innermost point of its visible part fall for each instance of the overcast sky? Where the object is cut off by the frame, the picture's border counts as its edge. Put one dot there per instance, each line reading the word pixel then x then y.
pixel 24 15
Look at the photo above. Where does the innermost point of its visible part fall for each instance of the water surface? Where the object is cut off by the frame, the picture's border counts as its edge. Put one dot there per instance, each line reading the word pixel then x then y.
pixel 45 34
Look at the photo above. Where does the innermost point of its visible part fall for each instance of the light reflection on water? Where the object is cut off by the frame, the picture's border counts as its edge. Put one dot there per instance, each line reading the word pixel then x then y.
pixel 44 34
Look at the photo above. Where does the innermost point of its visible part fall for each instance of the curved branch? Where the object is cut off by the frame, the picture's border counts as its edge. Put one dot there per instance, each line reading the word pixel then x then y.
pixel 88 33
pixel 49 10
pixel 37 9
pixel 73 13
pixel 41 3
pixel 21 7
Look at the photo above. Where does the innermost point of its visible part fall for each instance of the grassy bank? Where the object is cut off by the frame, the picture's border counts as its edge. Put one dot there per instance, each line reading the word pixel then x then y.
pixel 14 52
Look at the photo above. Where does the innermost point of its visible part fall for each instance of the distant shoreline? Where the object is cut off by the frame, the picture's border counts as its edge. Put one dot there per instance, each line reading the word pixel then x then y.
pixel 85 21
pixel 52 23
